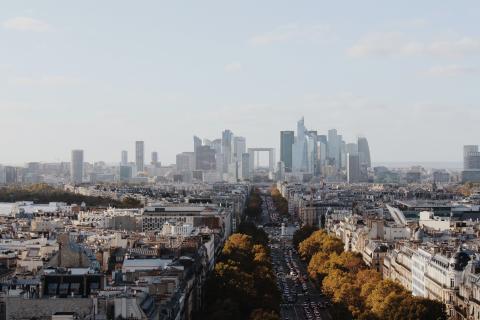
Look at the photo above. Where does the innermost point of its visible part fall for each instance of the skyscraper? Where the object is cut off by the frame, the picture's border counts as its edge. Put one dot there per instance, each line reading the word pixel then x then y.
pixel 76 166
pixel 471 157
pixel 124 157
pixel 197 142
pixel 205 158
pixel 333 148
pixel 239 147
pixel 140 156
pixel 154 158
pixel 353 168
pixel 364 152
pixel 246 166
pixel 185 161
pixel 287 138
pixel 227 149
pixel 471 164
pixel 299 150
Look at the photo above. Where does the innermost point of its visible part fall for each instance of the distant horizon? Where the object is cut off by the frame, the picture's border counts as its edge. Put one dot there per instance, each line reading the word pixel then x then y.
pixel 451 165
pixel 406 78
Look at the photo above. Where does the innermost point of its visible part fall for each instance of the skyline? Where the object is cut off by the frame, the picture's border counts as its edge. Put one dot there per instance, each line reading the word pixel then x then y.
pixel 131 150
pixel 77 76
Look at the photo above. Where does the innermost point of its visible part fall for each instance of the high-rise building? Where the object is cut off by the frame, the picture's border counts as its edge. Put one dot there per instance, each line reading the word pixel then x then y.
pixel 227 149
pixel 124 157
pixel 299 149
pixel 471 164
pixel 239 147
pixel 125 173
pixel 333 148
pixel 287 138
pixel 76 166
pixel 185 161
pixel 351 148
pixel 246 166
pixel 353 168
pixel 154 158
pixel 205 158
pixel 197 142
pixel 140 156
pixel 364 152
pixel 471 158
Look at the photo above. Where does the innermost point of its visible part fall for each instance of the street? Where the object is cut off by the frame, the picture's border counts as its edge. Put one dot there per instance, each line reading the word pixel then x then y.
pixel 300 298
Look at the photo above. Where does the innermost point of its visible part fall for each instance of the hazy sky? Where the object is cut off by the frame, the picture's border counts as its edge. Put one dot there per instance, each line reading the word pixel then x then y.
pixel 98 75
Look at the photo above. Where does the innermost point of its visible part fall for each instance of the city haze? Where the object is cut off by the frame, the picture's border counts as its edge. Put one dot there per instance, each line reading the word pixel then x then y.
pixel 99 76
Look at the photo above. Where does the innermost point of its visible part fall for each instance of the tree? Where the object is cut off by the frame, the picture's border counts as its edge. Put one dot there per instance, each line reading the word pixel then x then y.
pixel 319 241
pixel 259 236
pixel 302 234
pixel 378 297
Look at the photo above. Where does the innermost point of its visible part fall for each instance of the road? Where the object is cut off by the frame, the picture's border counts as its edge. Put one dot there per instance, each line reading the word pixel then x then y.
pixel 301 300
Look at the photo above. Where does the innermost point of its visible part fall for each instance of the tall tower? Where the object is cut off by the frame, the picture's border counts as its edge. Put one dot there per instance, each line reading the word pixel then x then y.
pixel 227 149
pixel 333 148
pixel 364 152
pixel 287 138
pixel 76 166
pixel 154 158
pixel 140 156
pixel 239 147
pixel 471 157
pixel 124 157
pixel 353 168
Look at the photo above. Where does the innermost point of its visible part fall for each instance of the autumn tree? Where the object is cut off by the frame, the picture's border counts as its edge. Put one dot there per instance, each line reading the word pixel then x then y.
pixel 302 234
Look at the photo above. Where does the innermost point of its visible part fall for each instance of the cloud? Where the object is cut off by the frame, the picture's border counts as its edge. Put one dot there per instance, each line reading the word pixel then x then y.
pixel 233 67
pixel 387 44
pixel 292 32
pixel 26 24
pixel 451 71
pixel 47 81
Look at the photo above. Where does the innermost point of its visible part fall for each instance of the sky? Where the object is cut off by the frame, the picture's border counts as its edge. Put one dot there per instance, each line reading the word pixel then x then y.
pixel 98 75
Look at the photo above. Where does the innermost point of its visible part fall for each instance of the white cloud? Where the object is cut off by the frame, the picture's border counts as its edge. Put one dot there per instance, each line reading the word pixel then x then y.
pixel 47 81
pixel 397 44
pixel 233 67
pixel 26 24
pixel 451 71
pixel 292 32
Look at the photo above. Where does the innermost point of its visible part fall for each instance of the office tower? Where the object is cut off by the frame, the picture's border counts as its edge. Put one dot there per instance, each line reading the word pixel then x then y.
pixel 299 150
pixel 2 174
pixel 239 147
pixel 471 164
pixel 343 152
pixel 333 148
pixel 227 149
pixel 185 162
pixel 197 142
pixel 287 138
pixel 246 166
pixel 124 157
pixel 351 148
pixel 471 158
pixel 364 152
pixel 205 158
pixel 353 168
pixel 125 173
pixel 140 156
pixel 76 166
pixel 154 158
